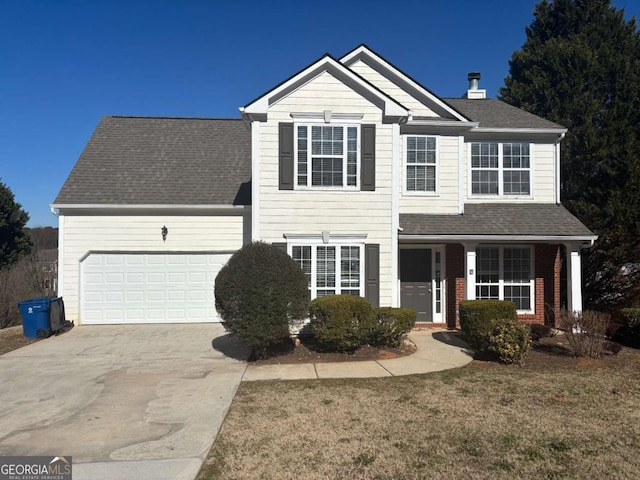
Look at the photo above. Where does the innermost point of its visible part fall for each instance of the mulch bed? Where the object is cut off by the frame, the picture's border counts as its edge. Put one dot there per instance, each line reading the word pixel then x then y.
pixel 307 352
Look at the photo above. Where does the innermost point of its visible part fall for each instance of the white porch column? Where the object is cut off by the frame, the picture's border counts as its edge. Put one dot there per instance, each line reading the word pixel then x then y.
pixel 574 277
pixel 470 271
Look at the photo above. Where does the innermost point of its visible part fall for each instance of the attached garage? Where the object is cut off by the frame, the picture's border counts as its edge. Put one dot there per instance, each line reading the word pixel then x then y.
pixel 149 288
pixel 148 216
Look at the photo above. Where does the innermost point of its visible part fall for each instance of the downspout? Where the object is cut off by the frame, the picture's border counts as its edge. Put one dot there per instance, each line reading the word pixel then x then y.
pixel 60 250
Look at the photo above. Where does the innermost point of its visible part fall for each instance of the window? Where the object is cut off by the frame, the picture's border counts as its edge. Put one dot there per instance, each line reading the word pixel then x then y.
pixel 327 155
pixel 500 168
pixel 331 269
pixel 505 273
pixel 421 164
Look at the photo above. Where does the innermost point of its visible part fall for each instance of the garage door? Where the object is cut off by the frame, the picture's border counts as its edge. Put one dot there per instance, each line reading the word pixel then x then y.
pixel 149 288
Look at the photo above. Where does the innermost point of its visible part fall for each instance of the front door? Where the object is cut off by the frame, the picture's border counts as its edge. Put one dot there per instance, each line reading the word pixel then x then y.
pixel 415 282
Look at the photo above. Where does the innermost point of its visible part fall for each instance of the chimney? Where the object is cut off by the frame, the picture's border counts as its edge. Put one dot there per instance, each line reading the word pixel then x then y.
pixel 474 92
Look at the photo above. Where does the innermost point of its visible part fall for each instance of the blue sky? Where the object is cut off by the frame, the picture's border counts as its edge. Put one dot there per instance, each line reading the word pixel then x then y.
pixel 64 64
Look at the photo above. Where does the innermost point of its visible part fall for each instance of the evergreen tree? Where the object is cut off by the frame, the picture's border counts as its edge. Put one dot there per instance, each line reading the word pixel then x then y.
pixel 580 67
pixel 14 240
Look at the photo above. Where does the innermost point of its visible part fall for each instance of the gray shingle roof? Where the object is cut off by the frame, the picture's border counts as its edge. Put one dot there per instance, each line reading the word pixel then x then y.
pixel 498 219
pixel 163 161
pixel 492 113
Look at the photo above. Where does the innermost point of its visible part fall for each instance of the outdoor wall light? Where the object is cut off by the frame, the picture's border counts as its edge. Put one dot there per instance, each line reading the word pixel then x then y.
pixel 164 230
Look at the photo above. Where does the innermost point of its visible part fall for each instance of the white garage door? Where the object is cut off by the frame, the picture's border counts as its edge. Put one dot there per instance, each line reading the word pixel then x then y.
pixel 149 288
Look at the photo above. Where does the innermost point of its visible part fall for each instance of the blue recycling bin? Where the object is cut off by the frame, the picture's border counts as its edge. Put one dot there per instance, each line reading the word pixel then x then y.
pixel 36 317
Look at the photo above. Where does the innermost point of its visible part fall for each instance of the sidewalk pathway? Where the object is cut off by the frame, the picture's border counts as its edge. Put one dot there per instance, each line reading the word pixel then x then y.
pixel 436 350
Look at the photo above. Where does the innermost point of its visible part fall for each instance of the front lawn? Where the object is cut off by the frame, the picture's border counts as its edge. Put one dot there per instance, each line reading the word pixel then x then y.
pixel 572 418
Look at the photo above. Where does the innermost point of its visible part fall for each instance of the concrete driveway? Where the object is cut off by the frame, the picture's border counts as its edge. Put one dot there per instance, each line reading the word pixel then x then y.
pixel 134 401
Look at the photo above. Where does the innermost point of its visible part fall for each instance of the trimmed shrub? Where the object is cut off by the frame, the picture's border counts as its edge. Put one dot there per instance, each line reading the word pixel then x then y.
pixel 477 319
pixel 390 325
pixel 341 323
pixel 538 331
pixel 258 293
pixel 585 331
pixel 510 341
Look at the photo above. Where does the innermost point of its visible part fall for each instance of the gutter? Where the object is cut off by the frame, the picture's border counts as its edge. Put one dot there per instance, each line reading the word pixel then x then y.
pixel 590 239
pixel 106 206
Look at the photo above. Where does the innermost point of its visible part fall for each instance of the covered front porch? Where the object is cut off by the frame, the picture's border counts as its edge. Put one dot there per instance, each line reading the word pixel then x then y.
pixel 491 252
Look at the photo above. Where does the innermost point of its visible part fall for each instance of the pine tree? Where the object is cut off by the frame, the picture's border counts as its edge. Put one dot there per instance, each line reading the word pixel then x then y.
pixel 14 240
pixel 580 67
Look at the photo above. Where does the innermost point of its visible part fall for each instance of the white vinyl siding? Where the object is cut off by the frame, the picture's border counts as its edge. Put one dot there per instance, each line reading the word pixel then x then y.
pixel 506 273
pixel 340 211
pixel 542 179
pixel 446 198
pixel 393 90
pixel 140 233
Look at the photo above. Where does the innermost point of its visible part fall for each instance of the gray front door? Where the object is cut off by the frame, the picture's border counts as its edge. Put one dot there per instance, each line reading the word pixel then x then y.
pixel 415 282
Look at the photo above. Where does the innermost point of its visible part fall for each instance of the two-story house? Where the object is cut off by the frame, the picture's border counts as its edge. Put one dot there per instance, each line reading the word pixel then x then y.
pixel 372 183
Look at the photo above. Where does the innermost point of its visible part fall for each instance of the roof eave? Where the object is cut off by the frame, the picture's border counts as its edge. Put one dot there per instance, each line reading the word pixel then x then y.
pixel 142 206
pixel 590 239
pixel 545 131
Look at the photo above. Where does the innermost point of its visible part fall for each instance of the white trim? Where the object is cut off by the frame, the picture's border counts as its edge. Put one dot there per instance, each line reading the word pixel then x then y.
pixel 261 105
pixel 501 282
pixel 442 316
pixel 395 212
pixel 61 266
pixel 321 117
pixel 338 288
pixel 405 165
pixel 461 174
pixel 142 206
pixel 399 77
pixel 470 271
pixel 556 131
pixel 574 277
pixel 500 170
pixel 556 167
pixel 319 237
pixel 255 183
pixel 443 123
pixel 589 239
pixel 345 154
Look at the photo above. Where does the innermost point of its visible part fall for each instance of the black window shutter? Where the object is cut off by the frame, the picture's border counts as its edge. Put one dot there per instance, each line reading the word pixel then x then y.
pixel 372 273
pixel 368 158
pixel 285 163
pixel 281 246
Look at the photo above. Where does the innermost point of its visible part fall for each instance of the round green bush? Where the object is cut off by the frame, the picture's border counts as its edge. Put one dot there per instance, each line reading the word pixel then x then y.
pixel 258 293
pixel 341 323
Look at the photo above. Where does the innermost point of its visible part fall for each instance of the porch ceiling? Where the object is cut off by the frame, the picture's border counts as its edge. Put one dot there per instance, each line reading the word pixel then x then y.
pixel 514 221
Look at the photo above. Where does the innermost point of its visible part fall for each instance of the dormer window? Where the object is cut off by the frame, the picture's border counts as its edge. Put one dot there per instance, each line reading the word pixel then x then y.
pixel 500 169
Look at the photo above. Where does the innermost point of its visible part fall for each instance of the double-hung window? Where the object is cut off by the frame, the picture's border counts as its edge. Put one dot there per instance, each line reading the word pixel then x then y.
pixel 331 269
pixel 499 168
pixel 505 273
pixel 327 155
pixel 421 154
